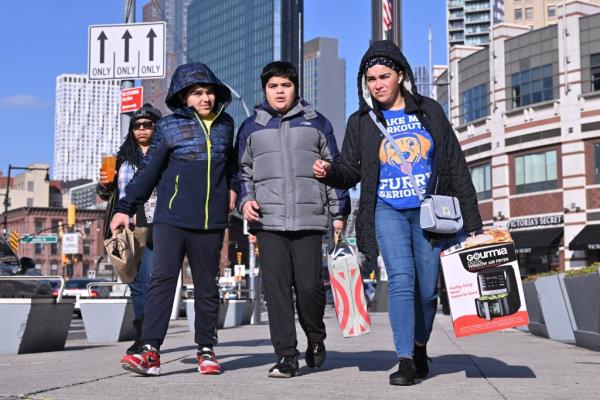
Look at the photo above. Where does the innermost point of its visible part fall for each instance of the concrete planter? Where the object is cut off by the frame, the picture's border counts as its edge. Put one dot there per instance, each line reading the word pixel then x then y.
pixel 231 313
pixel 537 325
pixel 34 325
pixel 108 320
pixel 556 308
pixel 584 295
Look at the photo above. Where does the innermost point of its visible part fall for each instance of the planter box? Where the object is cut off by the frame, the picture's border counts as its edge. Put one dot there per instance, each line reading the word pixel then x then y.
pixel 34 325
pixel 556 308
pixel 231 313
pixel 108 320
pixel 536 325
pixel 584 295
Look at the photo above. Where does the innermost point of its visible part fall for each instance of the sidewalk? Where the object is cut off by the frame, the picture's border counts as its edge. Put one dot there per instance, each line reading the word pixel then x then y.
pixel 504 365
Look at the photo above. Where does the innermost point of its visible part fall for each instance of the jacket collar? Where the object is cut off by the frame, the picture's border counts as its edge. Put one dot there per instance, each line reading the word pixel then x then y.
pixel 264 112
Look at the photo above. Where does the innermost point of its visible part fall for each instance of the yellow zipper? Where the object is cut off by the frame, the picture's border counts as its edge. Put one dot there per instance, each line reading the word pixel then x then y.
pixel 208 150
pixel 176 190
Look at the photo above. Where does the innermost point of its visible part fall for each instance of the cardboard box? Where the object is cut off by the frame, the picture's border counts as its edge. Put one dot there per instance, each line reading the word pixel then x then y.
pixel 348 292
pixel 484 284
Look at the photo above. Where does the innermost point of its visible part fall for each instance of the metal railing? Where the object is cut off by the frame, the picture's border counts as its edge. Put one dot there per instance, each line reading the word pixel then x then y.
pixel 39 278
pixel 106 284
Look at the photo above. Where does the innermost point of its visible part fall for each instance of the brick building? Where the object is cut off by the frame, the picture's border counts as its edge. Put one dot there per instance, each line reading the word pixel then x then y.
pixel 526 112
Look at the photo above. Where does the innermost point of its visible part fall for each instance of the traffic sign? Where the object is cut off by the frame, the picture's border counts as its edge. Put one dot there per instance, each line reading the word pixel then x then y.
pixel 39 239
pixel 131 99
pixel 13 241
pixel 128 51
pixel 70 243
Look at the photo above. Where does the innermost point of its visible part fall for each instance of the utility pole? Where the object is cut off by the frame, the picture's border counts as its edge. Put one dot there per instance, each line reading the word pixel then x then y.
pixel 429 38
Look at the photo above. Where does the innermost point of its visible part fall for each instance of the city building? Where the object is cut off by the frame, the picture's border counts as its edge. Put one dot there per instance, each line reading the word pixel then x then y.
pixel 324 82
pixel 87 124
pixel 527 119
pixel 237 38
pixel 422 80
pixel 48 256
pixel 29 188
pixel 469 21
pixel 386 20
pixel 174 13
pixel 534 13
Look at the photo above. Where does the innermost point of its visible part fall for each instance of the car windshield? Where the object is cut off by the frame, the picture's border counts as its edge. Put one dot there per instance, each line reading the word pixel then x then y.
pixel 5 252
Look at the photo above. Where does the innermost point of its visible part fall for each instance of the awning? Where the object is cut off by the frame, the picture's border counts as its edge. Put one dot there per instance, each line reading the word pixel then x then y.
pixel 587 239
pixel 536 238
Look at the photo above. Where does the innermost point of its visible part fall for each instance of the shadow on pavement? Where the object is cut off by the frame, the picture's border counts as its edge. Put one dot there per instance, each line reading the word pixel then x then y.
pixel 473 367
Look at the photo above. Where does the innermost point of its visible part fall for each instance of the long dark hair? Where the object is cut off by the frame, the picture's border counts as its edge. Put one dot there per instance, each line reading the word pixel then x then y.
pixel 130 151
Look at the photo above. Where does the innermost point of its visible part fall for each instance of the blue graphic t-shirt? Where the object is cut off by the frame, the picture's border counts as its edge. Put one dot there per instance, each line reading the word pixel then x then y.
pixel 417 147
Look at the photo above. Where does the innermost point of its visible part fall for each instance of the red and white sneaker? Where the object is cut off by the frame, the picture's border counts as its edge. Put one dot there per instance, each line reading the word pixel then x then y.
pixel 207 362
pixel 146 363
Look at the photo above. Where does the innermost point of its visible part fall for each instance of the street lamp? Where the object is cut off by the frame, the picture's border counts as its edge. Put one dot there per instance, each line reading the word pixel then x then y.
pixel 6 194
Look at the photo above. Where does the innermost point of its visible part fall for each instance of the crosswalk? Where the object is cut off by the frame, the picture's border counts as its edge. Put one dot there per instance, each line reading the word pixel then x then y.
pixel 76 330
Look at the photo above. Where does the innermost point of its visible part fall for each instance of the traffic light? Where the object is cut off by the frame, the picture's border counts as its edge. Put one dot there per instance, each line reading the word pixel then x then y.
pixel 238 256
pixel 60 230
pixel 71 215
pixel 65 259
pixel 13 241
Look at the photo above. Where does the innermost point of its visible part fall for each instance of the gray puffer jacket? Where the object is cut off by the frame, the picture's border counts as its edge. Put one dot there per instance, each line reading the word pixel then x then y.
pixel 275 156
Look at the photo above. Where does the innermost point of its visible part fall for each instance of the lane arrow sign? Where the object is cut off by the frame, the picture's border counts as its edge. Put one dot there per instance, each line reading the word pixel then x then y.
pixel 151 36
pixel 126 36
pixel 102 38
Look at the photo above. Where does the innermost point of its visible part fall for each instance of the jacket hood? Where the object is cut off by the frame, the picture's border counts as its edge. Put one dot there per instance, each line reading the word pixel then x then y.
pixel 190 74
pixel 387 48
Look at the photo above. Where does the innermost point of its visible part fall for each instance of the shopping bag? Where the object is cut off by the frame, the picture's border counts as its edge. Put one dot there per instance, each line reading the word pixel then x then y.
pixel 125 251
pixel 347 286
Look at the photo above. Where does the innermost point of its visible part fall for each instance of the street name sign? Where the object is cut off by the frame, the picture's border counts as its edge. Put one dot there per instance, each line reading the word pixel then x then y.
pixel 39 239
pixel 70 243
pixel 127 51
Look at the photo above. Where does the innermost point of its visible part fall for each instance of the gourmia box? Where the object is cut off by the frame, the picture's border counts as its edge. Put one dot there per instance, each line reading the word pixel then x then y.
pixel 484 284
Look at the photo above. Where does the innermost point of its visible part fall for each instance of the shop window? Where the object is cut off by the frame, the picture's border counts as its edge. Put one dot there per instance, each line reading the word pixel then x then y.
pixel 595 70
pixel 518 14
pixel 597 163
pixel 551 11
pixel 475 103
pixel 536 172
pixel 482 180
pixel 532 86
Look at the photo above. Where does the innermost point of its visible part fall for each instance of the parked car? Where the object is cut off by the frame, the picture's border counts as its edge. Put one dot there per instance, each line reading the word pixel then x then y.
pixel 78 288
pixel 12 265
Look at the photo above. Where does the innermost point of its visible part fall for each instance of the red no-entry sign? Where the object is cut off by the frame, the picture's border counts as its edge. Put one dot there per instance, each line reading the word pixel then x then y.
pixel 131 99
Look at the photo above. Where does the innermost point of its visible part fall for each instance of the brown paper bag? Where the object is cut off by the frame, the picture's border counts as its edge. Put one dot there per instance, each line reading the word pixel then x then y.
pixel 125 252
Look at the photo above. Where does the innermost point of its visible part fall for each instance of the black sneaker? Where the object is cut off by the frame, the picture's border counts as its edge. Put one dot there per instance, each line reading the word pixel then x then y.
pixel 420 358
pixel 135 348
pixel 405 376
pixel 286 367
pixel 315 354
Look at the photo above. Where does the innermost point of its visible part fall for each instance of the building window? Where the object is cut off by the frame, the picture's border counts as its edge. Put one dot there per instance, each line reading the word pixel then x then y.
pixel 595 69
pixel 29 202
pixel 30 186
pixel 53 249
pixel 532 86
pixel 551 11
pixel 597 163
pixel 39 224
pixel 38 248
pixel 86 247
pixel 482 180
pixel 518 14
pixel 529 13
pixel 536 172
pixel 475 103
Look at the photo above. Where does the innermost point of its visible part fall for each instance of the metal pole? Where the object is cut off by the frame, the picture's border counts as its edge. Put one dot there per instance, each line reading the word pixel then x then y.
pixel 6 202
pixel 430 66
pixel 177 301
pixel 126 84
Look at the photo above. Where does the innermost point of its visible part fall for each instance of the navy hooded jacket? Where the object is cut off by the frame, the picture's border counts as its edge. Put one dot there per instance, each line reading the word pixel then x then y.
pixel 191 170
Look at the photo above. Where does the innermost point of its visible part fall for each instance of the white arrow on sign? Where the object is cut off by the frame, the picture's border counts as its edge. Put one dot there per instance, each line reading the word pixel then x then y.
pixel 128 51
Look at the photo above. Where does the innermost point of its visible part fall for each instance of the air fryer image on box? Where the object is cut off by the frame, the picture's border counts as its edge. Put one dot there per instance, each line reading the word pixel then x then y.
pixel 499 292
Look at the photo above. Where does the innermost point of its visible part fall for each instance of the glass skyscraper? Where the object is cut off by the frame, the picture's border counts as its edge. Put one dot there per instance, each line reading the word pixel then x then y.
pixel 236 38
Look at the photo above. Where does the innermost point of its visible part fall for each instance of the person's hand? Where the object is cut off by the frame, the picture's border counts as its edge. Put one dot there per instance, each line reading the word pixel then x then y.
pixel 118 220
pixel 321 168
pixel 232 199
pixel 339 225
pixel 250 211
pixel 104 178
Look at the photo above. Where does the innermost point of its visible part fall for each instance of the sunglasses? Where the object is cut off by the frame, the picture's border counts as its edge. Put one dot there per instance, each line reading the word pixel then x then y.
pixel 145 124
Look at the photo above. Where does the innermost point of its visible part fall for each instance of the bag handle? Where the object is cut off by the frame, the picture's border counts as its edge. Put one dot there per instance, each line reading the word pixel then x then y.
pixel 389 137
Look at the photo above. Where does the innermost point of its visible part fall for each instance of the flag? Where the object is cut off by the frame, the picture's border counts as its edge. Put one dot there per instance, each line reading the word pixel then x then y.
pixel 386 16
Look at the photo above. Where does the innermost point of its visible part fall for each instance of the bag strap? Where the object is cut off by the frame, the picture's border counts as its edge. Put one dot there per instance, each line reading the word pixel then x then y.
pixel 389 137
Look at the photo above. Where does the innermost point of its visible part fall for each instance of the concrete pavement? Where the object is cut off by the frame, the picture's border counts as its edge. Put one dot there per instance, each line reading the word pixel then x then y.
pixel 505 365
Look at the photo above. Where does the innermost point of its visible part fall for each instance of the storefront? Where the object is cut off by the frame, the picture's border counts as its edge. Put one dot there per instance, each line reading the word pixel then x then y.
pixel 588 240
pixel 537 243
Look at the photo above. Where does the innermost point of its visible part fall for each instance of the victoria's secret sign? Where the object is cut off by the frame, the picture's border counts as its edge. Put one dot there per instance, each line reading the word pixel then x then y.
pixel 535 221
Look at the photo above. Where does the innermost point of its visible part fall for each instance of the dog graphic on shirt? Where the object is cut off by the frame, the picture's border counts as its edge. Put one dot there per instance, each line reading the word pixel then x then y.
pixel 414 148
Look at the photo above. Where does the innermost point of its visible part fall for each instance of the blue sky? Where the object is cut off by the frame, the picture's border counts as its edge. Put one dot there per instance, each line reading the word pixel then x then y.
pixel 43 39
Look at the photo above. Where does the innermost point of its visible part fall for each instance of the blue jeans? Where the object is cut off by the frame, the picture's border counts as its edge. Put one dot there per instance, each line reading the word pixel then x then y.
pixel 412 264
pixel 139 287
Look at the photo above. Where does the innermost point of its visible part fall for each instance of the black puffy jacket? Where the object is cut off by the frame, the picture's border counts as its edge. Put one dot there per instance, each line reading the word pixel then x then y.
pixel 360 153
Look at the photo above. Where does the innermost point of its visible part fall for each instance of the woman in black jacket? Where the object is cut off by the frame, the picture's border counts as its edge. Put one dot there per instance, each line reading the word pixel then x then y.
pixel 388 214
